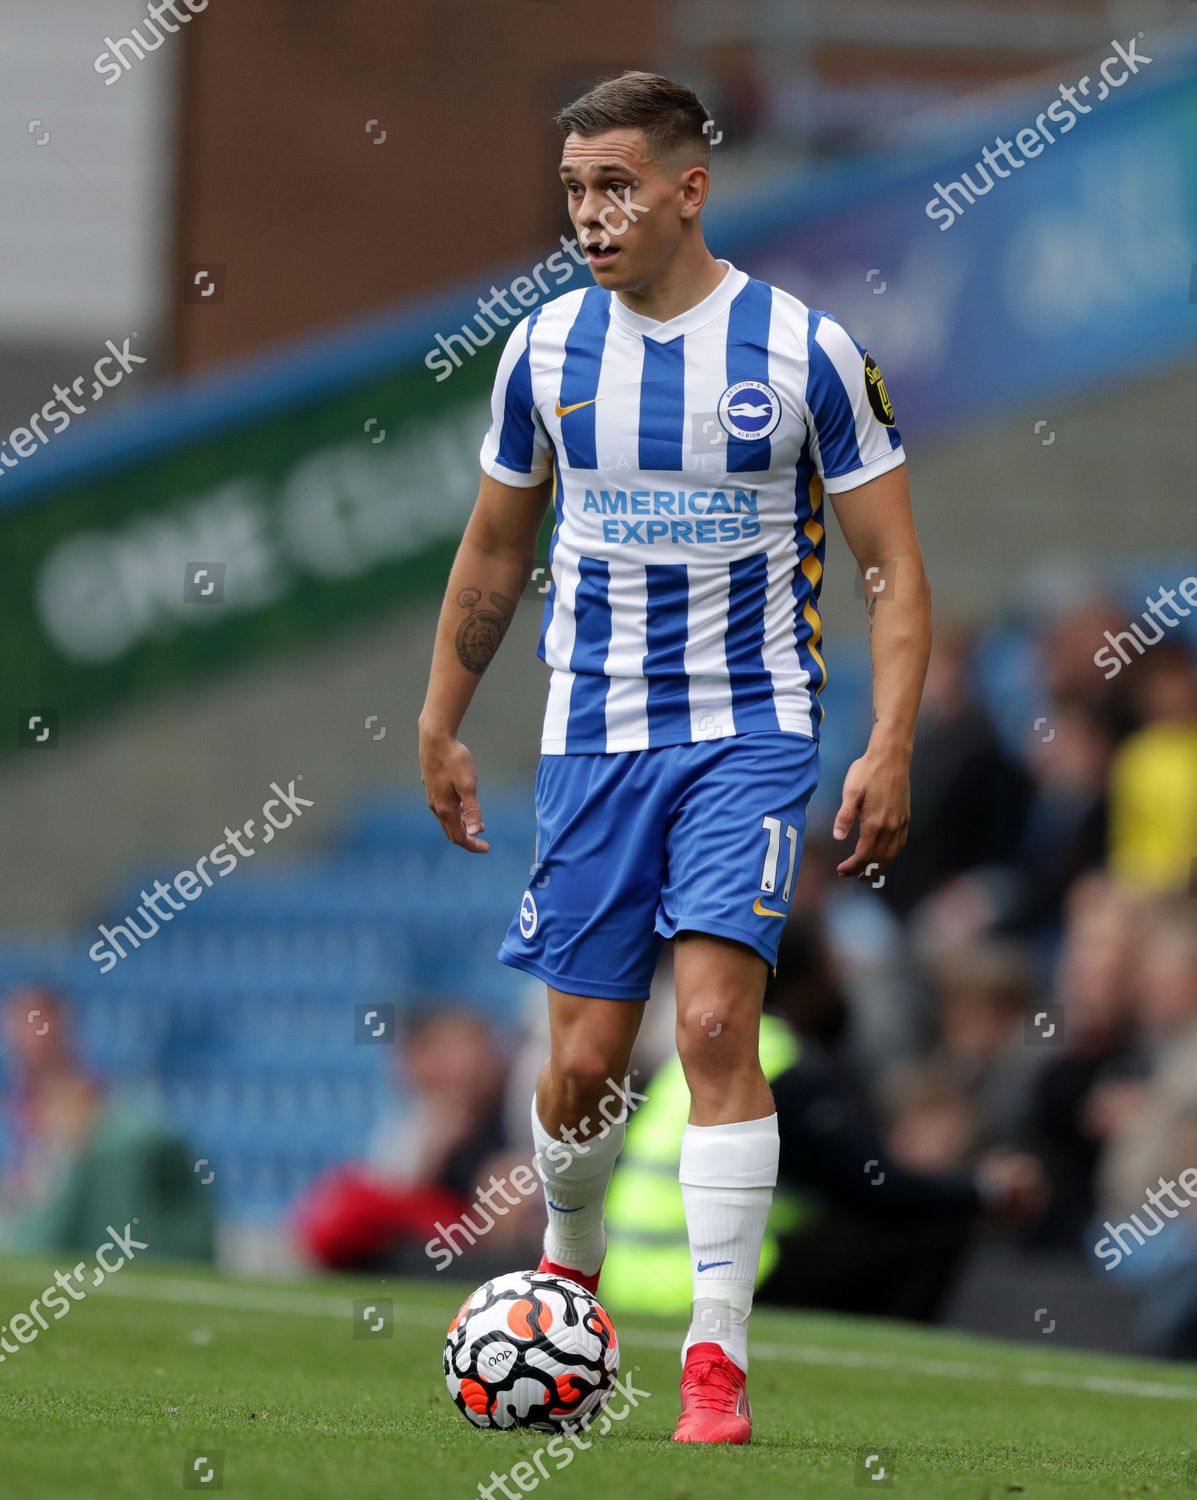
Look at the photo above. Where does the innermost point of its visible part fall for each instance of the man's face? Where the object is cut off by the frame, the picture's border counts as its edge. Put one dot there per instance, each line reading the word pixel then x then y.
pixel 627 210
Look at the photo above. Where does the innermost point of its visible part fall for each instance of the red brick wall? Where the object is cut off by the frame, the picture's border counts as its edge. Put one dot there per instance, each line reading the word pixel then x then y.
pixel 280 184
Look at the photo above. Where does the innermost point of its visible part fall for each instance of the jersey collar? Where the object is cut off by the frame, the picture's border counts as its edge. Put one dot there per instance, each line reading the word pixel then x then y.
pixel 693 318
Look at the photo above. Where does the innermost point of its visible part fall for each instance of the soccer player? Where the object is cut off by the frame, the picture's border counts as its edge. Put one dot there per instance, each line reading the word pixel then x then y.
pixel 686 421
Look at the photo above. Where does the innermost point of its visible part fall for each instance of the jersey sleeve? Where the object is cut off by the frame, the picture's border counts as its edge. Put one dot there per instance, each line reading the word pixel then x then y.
pixel 853 436
pixel 516 449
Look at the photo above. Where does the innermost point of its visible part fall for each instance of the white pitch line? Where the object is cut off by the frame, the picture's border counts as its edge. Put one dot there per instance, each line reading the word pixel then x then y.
pixel 311 1305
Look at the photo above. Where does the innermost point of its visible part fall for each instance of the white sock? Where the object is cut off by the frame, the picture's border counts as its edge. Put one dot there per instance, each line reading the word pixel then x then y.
pixel 575 1176
pixel 728 1173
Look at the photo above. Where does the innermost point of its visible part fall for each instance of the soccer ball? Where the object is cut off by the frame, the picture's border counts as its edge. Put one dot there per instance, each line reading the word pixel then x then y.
pixel 531 1350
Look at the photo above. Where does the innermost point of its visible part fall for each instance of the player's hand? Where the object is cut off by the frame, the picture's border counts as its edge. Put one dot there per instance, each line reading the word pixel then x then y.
pixel 877 791
pixel 450 780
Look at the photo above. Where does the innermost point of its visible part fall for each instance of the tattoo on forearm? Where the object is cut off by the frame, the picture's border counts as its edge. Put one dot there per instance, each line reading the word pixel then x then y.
pixel 481 632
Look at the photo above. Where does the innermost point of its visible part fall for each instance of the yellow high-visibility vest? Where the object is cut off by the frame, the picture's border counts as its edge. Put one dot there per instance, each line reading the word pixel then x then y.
pixel 647 1268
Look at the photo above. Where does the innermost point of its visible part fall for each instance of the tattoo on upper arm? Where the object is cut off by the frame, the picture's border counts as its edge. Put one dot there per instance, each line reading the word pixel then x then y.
pixel 481 632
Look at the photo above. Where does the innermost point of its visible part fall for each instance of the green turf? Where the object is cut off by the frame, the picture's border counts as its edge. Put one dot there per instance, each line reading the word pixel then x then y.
pixel 107 1403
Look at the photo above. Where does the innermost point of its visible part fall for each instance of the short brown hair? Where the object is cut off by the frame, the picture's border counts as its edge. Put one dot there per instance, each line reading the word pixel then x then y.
pixel 671 115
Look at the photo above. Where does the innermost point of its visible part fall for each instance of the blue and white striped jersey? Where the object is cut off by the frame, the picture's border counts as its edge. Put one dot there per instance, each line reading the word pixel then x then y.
pixel 690 459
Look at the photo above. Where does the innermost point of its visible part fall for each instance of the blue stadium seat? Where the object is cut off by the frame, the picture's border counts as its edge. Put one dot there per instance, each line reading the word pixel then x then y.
pixel 239 1014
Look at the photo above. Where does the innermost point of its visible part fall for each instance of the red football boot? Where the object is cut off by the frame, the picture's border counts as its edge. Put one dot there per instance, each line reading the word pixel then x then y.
pixel 715 1405
pixel 589 1282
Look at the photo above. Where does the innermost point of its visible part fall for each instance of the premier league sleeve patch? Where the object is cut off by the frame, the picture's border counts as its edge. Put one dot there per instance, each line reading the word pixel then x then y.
pixel 879 400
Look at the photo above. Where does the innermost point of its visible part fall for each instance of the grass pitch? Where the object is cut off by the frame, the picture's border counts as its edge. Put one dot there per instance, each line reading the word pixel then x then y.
pixel 269 1386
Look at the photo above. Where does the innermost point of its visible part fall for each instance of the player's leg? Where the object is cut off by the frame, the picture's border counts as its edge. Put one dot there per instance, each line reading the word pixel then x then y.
pixel 578 1117
pixel 586 927
pixel 732 856
pixel 728 1166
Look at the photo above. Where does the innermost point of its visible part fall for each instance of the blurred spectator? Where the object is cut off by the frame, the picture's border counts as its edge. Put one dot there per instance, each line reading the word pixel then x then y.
pixel 1071 679
pixel 1091 1066
pixel 930 1122
pixel 451 1062
pixel 1152 1126
pixel 984 1000
pixel 891 1209
pixel 969 797
pixel 870 951
pixel 428 1161
pixel 1153 783
pixel 1152 1137
pixel 1065 833
pixel 84 1159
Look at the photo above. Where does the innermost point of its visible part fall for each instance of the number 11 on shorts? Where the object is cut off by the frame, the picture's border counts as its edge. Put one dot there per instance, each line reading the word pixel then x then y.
pixel 773 855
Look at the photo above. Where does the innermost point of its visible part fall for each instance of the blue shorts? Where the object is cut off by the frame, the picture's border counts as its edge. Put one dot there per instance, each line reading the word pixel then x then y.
pixel 635 846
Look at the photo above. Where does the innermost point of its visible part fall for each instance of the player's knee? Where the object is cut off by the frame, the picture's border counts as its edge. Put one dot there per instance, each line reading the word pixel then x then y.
pixel 715 1037
pixel 583 1069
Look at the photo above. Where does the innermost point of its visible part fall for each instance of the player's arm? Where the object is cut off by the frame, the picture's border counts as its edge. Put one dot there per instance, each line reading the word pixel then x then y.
pixel 492 567
pixel 878 525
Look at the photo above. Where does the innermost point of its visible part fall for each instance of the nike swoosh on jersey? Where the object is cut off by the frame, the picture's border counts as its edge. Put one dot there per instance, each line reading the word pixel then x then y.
pixel 764 911
pixel 564 411
pixel 711 1264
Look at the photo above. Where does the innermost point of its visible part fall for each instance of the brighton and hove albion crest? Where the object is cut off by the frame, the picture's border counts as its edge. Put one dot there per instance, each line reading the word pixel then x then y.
pixel 529 916
pixel 749 410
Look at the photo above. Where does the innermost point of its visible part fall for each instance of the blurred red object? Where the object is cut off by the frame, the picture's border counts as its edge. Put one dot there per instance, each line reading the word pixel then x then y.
pixel 349 1216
